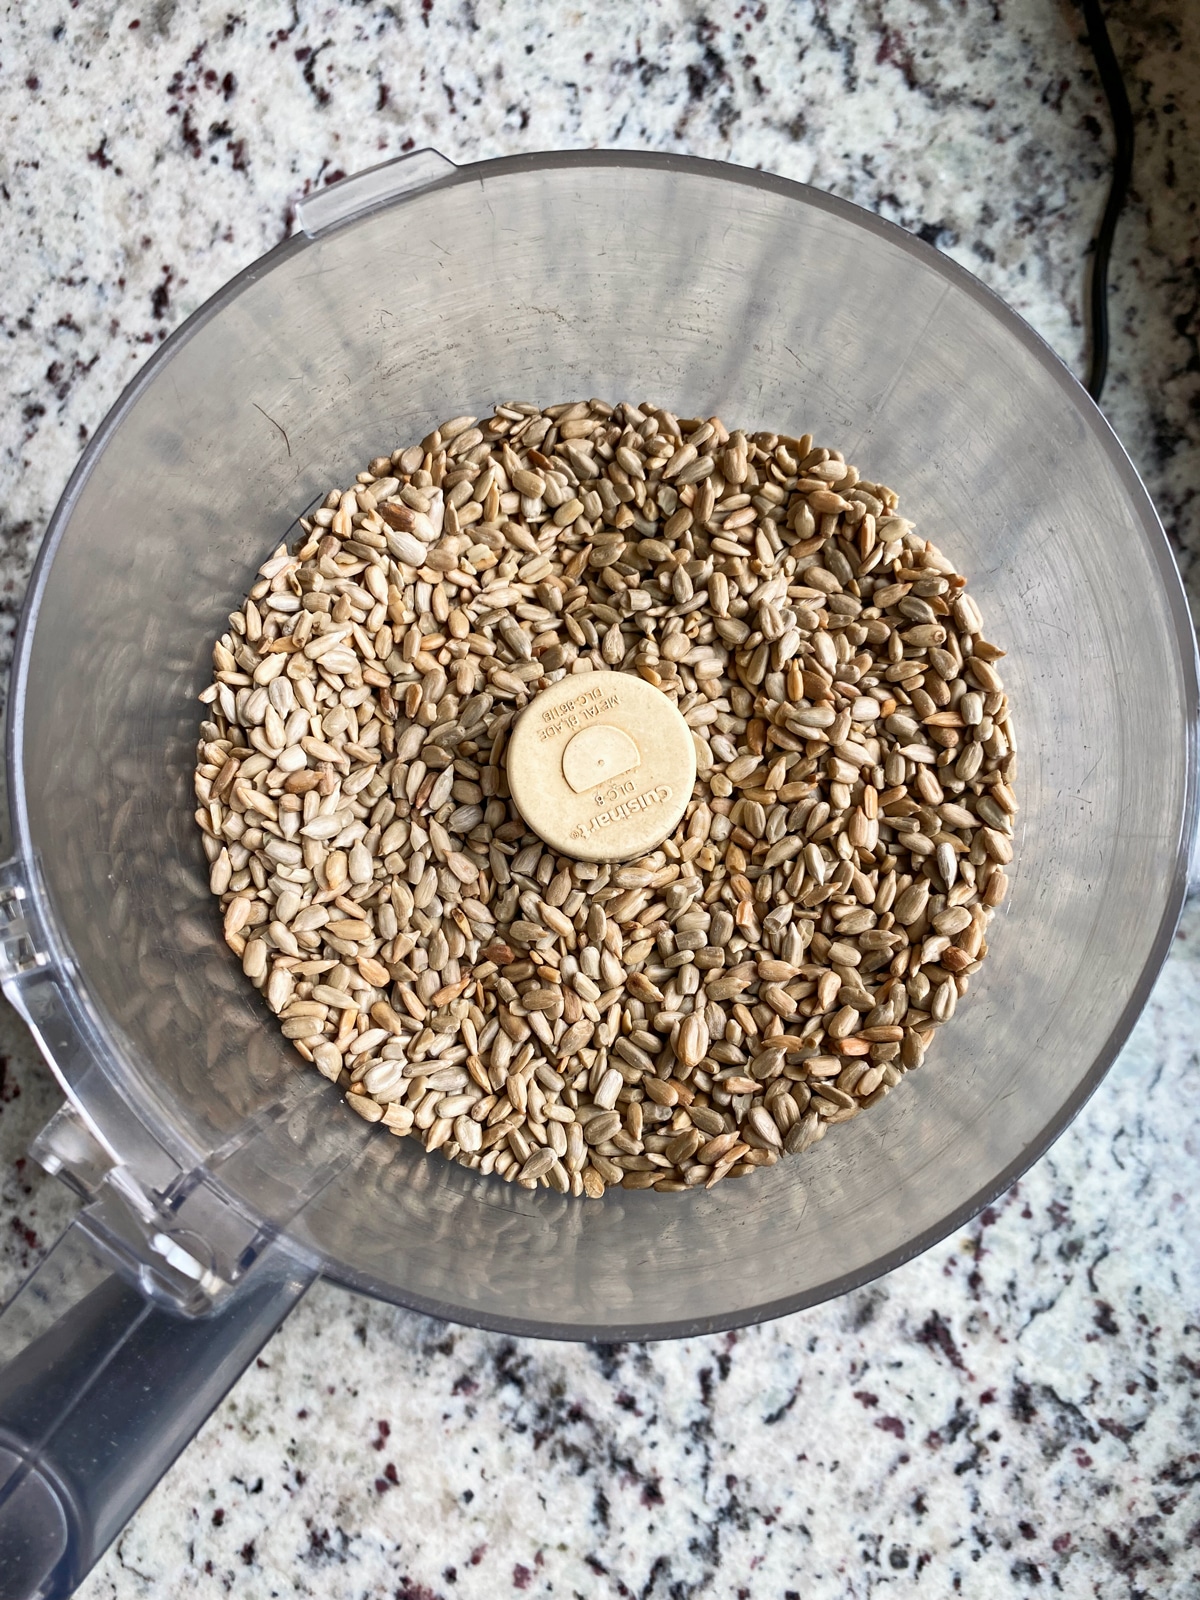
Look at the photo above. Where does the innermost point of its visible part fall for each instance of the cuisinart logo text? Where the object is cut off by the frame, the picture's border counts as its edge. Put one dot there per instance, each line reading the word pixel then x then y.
pixel 627 808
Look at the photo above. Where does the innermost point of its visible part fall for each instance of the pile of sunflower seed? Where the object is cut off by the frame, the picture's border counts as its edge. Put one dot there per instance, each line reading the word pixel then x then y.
pixel 777 964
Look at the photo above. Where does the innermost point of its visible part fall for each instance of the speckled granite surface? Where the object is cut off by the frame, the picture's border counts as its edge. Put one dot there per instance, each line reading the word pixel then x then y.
pixel 1016 1411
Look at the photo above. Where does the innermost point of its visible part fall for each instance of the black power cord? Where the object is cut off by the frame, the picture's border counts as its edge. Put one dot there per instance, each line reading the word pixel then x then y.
pixel 1122 119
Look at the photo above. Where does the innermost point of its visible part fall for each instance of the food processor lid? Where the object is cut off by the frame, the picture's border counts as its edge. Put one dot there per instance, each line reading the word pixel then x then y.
pixel 190 1214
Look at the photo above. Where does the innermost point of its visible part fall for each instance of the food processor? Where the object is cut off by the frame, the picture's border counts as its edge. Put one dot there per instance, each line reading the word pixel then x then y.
pixel 219 1174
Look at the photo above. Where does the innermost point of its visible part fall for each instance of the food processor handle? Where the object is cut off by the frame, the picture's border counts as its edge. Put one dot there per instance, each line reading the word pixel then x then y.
pixel 100 1390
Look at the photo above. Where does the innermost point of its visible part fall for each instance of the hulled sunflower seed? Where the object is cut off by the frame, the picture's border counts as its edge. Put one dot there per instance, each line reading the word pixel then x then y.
pixel 776 964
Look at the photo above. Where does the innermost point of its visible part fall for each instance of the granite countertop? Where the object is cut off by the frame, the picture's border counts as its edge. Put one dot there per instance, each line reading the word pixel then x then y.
pixel 1015 1411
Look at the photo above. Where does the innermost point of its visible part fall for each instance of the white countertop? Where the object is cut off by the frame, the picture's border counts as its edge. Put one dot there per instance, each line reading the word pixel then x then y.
pixel 1017 1410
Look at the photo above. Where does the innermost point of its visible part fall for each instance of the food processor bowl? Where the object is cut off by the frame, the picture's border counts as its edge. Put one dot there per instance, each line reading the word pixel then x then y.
pixel 201 1142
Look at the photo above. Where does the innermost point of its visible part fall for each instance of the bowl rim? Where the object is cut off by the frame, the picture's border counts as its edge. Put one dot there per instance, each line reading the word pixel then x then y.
pixel 1074 394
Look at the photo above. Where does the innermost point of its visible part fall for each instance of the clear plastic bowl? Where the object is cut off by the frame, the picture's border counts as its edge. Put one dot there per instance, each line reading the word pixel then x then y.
pixel 420 291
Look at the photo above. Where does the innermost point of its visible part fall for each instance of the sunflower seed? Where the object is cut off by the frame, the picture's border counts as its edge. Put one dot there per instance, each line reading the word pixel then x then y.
pixel 776 965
